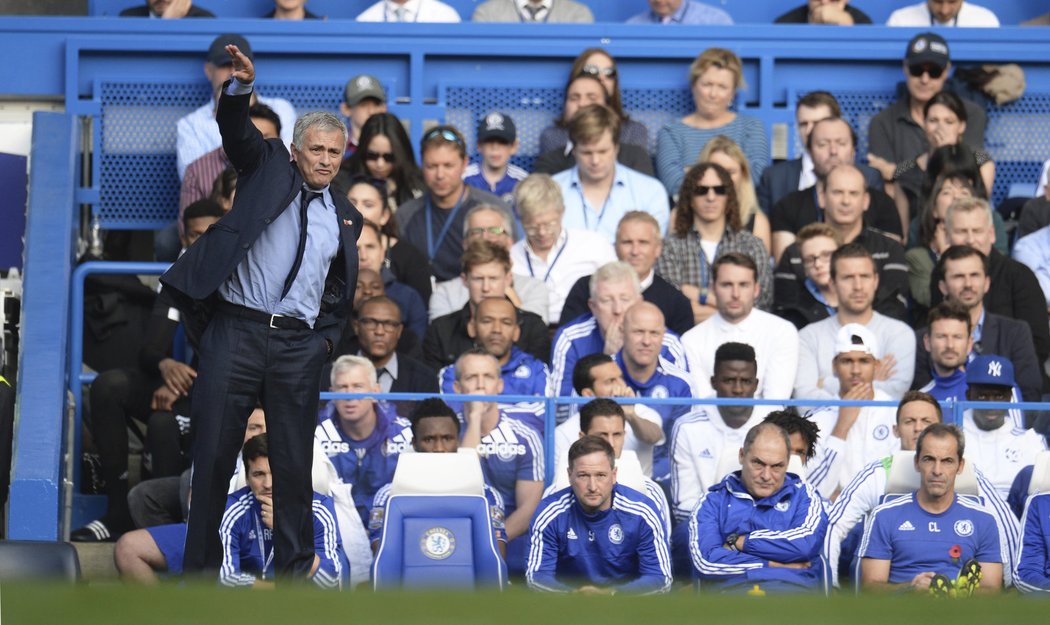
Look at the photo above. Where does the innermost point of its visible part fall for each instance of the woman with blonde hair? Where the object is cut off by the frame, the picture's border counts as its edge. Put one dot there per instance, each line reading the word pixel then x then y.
pixel 725 152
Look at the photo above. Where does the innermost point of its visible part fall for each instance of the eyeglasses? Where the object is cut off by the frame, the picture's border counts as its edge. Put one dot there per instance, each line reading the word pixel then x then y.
pixel 369 323
pixel 547 227
pixel 380 156
pixel 918 70
pixel 703 189
pixel 444 133
pixel 493 230
pixel 823 258
pixel 593 70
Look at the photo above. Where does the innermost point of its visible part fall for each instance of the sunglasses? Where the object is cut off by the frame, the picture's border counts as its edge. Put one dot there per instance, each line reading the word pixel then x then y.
pixel 702 190
pixel 918 70
pixel 445 134
pixel 380 156
pixel 594 70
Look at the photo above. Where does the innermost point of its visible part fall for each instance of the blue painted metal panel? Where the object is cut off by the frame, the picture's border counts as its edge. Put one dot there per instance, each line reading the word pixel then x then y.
pixel 41 402
pixel 13 176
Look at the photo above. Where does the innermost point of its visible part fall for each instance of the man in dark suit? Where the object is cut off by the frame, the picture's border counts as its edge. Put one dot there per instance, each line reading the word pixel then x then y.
pixel 268 310
pixel 966 282
pixel 166 9
pixel 378 326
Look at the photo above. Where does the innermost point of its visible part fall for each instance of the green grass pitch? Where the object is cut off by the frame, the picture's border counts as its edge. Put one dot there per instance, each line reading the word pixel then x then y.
pixel 115 604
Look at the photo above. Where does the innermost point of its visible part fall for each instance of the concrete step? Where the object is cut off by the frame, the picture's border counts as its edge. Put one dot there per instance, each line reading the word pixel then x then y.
pixel 96 561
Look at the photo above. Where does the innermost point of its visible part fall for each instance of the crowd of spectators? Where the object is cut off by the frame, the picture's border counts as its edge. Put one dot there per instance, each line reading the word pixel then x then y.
pixel 703 270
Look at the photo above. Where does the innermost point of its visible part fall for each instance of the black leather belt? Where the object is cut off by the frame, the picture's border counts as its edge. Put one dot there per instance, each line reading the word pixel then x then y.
pixel 274 321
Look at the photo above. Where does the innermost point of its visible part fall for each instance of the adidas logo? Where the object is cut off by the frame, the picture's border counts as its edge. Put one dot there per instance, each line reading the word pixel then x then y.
pixel 706 454
pixel 906 527
pixel 572 534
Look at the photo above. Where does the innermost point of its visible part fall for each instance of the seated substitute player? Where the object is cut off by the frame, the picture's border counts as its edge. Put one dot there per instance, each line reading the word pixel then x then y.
pixel 246 530
pixel 761 528
pixel 852 436
pixel 606 419
pixel 699 438
pixel 509 444
pixel 494 327
pixel 915 413
pixel 1033 559
pixel 999 446
pixel 435 430
pixel 597 536
pixel 361 438
pixel 598 375
pixel 922 541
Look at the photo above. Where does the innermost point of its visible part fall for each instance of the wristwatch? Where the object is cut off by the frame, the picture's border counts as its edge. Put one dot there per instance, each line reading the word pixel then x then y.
pixel 731 540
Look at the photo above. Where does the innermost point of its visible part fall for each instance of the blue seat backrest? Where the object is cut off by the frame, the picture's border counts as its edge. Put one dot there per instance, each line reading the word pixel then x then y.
pixel 438 542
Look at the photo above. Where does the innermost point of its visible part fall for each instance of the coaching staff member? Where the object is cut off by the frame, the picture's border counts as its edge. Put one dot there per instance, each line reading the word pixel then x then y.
pixel 268 289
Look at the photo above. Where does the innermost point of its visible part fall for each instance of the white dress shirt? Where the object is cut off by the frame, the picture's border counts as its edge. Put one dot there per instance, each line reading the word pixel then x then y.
pixel 776 351
pixel 575 254
pixel 413 11
pixel 918 15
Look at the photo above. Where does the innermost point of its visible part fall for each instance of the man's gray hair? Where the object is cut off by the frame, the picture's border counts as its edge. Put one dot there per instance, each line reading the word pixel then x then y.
pixel 968 205
pixel 348 362
pixel 508 223
pixel 322 120
pixel 616 271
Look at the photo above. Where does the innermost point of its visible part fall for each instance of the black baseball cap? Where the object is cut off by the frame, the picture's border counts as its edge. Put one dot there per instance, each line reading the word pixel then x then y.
pixel 217 54
pixel 927 48
pixel 497 127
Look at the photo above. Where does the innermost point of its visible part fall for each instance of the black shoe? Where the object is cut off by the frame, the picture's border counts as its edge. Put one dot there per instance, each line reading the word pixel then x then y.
pixel 969 578
pixel 93 532
pixel 942 587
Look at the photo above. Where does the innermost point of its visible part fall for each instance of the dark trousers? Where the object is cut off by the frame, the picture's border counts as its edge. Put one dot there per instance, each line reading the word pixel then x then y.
pixel 242 361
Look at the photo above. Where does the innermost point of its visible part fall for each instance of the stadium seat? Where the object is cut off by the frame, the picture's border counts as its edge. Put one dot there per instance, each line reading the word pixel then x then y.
pixel 904 479
pixel 1040 474
pixel 38 561
pixel 438 531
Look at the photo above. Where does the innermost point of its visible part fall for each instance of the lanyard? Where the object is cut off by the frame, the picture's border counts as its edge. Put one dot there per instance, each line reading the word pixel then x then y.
pixel 444 229
pixel 262 546
pixel 704 270
pixel 587 212
pixel 550 267
pixel 816 204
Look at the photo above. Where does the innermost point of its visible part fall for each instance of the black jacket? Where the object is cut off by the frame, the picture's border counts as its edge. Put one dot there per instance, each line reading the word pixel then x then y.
pixel 447 337
pixel 414 377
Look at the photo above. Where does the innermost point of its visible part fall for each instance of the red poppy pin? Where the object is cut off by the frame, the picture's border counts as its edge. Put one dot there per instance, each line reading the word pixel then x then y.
pixel 348 222
pixel 955 552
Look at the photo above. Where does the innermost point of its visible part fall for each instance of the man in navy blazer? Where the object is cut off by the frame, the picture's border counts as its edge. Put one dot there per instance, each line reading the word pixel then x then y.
pixel 268 289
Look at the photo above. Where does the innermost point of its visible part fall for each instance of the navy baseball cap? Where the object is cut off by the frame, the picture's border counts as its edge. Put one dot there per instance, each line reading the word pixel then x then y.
pixel 990 369
pixel 497 127
pixel 217 54
pixel 927 48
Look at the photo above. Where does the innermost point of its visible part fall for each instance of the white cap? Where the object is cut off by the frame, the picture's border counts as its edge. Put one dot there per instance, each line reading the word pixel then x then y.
pixel 853 337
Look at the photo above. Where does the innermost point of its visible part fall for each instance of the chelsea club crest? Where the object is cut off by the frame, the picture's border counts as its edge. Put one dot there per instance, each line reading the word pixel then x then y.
pixel 437 543
pixel 615 534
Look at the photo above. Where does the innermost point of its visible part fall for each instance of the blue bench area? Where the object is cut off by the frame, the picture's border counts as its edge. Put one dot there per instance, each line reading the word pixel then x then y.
pixel 131 79
pixel 742 11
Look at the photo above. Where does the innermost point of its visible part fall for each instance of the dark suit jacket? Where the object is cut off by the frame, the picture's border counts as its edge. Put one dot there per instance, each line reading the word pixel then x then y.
pixel 678 312
pixel 143 11
pixel 782 178
pixel 447 337
pixel 1015 293
pixel 414 377
pixel 267 183
pixel 1001 336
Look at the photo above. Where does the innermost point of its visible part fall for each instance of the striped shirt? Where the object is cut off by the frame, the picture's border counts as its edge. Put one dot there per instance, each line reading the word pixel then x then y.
pixel 678 145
